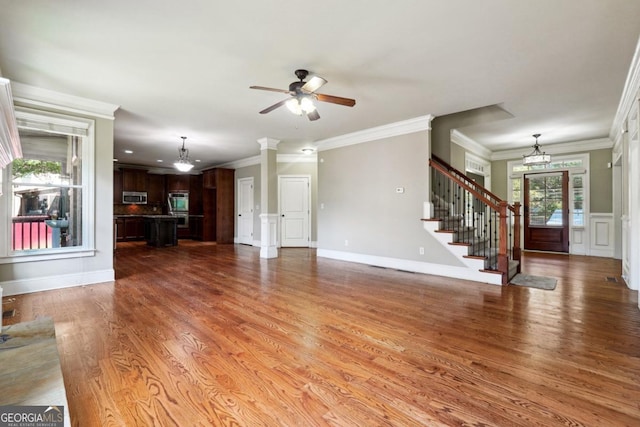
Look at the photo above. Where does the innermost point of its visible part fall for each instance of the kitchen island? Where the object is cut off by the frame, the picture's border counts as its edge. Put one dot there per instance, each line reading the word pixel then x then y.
pixel 161 230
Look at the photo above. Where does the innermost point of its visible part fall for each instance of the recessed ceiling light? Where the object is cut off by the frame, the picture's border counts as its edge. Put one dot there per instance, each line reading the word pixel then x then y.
pixel 115 160
pixel 197 160
pixel 159 161
pixel 308 150
pixel 128 151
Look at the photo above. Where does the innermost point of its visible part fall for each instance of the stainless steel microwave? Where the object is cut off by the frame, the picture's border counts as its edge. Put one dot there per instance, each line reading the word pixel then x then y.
pixel 134 197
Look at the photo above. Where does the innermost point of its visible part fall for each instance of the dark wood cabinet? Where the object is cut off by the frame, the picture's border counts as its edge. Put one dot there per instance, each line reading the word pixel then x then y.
pixel 195 195
pixel 120 231
pixel 117 187
pixel 155 189
pixel 209 178
pixel 134 179
pixel 133 228
pixel 176 183
pixel 218 205
pixel 161 231
pixel 195 227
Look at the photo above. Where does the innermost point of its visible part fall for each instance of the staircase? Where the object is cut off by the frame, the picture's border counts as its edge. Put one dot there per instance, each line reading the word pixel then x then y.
pixel 482 230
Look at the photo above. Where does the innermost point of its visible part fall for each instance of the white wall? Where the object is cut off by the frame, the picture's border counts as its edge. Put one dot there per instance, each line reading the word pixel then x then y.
pixel 371 196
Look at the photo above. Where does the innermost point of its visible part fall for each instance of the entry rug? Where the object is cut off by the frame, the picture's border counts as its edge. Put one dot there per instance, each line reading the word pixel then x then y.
pixel 539 282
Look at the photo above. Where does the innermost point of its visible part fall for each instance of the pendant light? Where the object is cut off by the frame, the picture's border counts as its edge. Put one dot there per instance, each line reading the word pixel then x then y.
pixel 183 164
pixel 536 157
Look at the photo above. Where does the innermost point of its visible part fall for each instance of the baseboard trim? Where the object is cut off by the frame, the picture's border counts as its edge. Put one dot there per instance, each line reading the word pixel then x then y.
pixel 39 284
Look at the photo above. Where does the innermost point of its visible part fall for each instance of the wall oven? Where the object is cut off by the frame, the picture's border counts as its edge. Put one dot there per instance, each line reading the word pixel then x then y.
pixel 183 219
pixel 178 202
pixel 179 208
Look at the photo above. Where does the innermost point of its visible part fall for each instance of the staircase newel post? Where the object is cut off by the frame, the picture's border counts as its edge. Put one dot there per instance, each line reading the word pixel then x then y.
pixel 516 233
pixel 503 257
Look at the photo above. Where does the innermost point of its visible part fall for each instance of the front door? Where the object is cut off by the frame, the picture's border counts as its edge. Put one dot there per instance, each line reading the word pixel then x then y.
pixel 546 211
pixel 294 211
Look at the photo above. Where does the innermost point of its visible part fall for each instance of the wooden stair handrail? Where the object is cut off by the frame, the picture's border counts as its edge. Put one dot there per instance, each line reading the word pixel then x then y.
pixel 457 172
pixel 473 183
pixel 464 185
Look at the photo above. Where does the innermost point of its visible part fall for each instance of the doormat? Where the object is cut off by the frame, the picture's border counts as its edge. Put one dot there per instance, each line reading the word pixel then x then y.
pixel 538 282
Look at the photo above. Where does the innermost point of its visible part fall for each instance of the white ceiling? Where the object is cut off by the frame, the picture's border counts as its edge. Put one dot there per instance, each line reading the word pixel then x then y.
pixel 557 66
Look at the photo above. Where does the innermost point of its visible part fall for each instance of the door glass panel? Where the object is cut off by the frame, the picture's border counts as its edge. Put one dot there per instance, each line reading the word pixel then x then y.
pixel 545 201
pixel 578 201
pixel 516 191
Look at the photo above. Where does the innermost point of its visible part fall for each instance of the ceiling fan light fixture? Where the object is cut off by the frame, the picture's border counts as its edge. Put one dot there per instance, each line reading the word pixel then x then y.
pixel 294 106
pixel 183 164
pixel 536 157
pixel 307 105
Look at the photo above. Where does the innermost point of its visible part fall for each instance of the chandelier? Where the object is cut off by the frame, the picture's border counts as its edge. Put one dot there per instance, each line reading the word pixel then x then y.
pixel 536 157
pixel 183 164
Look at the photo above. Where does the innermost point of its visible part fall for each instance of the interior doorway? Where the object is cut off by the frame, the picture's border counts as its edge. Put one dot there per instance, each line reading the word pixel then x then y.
pixel 546 211
pixel 245 211
pixel 295 215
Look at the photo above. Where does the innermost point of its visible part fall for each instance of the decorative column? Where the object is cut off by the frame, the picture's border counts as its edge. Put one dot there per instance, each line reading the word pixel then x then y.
pixel 268 197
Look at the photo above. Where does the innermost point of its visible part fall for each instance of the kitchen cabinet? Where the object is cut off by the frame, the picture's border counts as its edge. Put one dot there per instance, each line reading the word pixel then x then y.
pixel 195 227
pixel 134 228
pixel 117 187
pixel 134 179
pixel 155 189
pixel 120 234
pixel 218 205
pixel 195 195
pixel 161 230
pixel 209 178
pixel 177 183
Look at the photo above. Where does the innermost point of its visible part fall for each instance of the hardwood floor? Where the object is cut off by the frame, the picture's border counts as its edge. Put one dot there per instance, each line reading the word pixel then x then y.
pixel 205 334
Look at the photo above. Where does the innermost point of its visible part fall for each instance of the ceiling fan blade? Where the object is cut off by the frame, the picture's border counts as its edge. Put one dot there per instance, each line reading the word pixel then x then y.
pixel 313 84
pixel 313 115
pixel 274 106
pixel 270 89
pixel 347 102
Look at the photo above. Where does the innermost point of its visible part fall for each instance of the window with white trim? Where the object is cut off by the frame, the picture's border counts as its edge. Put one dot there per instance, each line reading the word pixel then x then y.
pixel 48 193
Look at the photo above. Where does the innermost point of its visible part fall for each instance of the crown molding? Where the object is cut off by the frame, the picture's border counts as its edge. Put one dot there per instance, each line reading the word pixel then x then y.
pixel 242 163
pixel 297 158
pixel 417 124
pixel 44 98
pixel 629 95
pixel 562 148
pixel 469 144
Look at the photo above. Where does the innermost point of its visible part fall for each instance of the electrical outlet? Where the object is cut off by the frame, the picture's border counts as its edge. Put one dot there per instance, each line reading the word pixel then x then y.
pixel 346 243
pixel 421 250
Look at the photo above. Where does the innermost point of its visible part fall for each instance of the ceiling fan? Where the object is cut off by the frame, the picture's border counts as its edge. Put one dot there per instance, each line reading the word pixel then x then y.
pixel 302 96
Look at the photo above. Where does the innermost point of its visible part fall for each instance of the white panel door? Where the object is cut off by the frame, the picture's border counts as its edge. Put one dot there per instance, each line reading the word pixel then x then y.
pixel 245 211
pixel 294 211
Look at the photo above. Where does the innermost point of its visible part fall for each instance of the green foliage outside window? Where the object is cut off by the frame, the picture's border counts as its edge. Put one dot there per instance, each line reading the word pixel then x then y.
pixel 26 167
